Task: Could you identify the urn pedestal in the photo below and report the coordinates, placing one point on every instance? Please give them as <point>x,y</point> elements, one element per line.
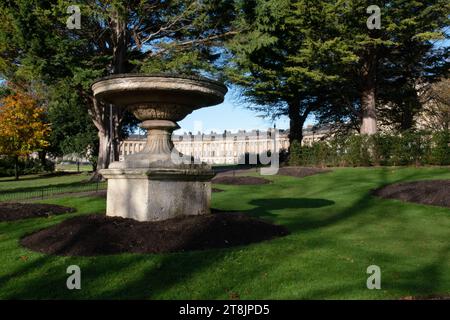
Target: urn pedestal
<point>157,194</point>
<point>158,183</point>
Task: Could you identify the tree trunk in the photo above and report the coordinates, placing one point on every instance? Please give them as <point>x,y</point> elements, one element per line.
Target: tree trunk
<point>407,120</point>
<point>108,148</point>
<point>368,95</point>
<point>104,157</point>
<point>108,123</point>
<point>119,41</point>
<point>16,167</point>
<point>42,154</point>
<point>295,123</point>
<point>410,106</point>
<point>104,150</point>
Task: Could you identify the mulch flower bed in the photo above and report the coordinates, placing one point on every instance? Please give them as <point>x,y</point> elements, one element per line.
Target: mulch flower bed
<point>300,172</point>
<point>431,192</point>
<point>99,234</point>
<point>10,211</point>
<point>240,180</point>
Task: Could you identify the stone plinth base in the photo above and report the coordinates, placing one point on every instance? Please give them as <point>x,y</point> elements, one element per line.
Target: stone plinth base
<point>155,194</point>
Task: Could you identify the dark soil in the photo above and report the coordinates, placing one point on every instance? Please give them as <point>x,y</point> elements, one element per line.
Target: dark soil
<point>240,180</point>
<point>234,171</point>
<point>98,234</point>
<point>300,172</point>
<point>431,192</point>
<point>216,190</point>
<point>10,211</point>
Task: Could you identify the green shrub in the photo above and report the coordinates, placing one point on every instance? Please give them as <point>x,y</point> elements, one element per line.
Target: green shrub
<point>381,146</point>
<point>357,151</point>
<point>381,149</point>
<point>295,154</point>
<point>26,166</point>
<point>440,148</point>
<point>410,148</point>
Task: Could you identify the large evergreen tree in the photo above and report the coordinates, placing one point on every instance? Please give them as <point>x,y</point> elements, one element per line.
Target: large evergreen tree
<point>393,61</point>
<point>296,57</point>
<point>115,37</point>
<point>280,62</point>
<point>73,131</point>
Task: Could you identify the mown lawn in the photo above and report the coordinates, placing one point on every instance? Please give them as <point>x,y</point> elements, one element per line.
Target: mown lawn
<point>338,230</point>
<point>32,186</point>
<point>73,167</point>
<point>40,180</point>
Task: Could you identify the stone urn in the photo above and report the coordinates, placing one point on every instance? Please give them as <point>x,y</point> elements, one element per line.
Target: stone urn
<point>158,183</point>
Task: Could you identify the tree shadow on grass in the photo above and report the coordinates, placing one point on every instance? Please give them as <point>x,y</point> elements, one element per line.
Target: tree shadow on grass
<point>291,203</point>
<point>422,282</point>
<point>170,269</point>
<point>170,273</point>
<point>265,207</point>
<point>160,273</point>
<point>305,220</point>
<point>426,279</point>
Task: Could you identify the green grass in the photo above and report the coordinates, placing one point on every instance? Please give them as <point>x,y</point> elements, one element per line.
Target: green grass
<point>30,186</point>
<point>73,167</point>
<point>337,230</point>
<point>35,180</point>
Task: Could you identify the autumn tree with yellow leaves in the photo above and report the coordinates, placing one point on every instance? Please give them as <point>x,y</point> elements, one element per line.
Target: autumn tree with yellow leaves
<point>22,127</point>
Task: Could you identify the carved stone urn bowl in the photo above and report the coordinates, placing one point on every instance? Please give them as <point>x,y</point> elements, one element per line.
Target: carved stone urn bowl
<point>157,183</point>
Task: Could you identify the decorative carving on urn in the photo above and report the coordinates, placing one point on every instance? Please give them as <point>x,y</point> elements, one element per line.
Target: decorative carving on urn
<point>159,101</point>
<point>160,111</point>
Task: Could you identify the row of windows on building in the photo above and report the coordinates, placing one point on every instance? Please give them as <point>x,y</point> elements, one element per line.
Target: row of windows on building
<point>211,150</point>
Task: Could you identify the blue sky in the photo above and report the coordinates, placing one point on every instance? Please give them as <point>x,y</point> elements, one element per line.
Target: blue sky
<point>231,116</point>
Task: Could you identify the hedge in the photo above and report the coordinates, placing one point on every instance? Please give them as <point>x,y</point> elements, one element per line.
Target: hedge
<point>382,149</point>
<point>26,166</point>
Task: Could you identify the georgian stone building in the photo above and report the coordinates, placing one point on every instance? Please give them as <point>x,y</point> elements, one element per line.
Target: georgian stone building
<point>226,147</point>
